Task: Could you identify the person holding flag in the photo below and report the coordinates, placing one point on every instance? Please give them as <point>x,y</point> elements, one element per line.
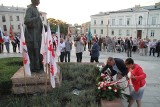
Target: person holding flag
<point>6,39</point>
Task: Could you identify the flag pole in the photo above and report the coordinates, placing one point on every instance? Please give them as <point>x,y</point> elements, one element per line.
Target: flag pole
<point>58,58</point>
<point>46,79</point>
<point>25,82</point>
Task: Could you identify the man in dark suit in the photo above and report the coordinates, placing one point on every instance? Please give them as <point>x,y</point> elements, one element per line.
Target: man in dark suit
<point>116,66</point>
<point>94,51</point>
<point>129,44</point>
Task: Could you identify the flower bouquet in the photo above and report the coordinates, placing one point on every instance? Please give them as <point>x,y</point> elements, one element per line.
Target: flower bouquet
<point>108,89</point>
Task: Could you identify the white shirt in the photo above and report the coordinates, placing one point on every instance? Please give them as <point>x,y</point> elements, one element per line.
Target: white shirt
<point>62,46</point>
<point>6,38</point>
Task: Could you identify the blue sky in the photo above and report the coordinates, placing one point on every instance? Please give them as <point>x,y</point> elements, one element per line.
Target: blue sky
<point>78,11</point>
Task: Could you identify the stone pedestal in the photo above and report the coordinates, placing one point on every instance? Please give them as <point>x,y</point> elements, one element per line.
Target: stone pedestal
<point>34,84</point>
<point>115,103</point>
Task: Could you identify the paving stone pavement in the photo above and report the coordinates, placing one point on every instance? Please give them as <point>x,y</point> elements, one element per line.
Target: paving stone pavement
<point>150,64</point>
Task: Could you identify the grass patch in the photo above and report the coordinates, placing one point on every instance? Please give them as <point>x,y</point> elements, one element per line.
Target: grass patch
<point>74,76</point>
<point>8,66</point>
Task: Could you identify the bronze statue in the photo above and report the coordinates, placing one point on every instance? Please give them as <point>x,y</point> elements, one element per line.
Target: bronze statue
<point>33,31</point>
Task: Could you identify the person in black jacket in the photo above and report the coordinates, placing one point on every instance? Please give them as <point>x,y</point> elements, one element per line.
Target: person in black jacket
<point>94,51</point>
<point>116,66</point>
<point>158,48</point>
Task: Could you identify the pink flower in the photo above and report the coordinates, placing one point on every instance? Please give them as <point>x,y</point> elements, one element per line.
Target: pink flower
<point>104,88</point>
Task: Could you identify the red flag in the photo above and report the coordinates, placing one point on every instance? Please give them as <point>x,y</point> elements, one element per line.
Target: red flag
<point>11,32</point>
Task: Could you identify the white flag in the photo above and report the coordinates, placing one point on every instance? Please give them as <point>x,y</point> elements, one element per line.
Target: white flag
<point>24,51</point>
<point>58,41</point>
<point>51,57</point>
<point>43,50</point>
<point>1,33</point>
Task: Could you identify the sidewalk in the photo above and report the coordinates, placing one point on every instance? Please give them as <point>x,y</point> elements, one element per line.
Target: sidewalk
<point>150,65</point>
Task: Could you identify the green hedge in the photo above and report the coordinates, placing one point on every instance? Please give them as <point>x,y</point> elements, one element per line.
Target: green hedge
<point>74,76</point>
<point>8,66</point>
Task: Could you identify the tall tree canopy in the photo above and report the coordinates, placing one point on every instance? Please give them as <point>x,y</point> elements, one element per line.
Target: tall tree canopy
<point>54,22</point>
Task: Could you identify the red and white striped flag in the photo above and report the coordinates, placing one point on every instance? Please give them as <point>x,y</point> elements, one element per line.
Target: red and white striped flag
<point>43,50</point>
<point>58,41</point>
<point>51,57</point>
<point>24,51</point>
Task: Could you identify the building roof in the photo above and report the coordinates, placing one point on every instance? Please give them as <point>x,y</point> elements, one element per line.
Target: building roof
<point>13,9</point>
<point>143,8</point>
<point>136,8</point>
<point>101,14</point>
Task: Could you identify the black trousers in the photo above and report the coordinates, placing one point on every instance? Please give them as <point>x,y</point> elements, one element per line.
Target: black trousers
<point>152,50</point>
<point>14,47</point>
<point>94,59</point>
<point>1,48</point>
<point>79,57</point>
<point>67,55</point>
<point>129,52</point>
<point>62,56</point>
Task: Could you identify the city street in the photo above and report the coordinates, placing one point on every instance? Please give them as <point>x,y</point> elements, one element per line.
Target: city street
<point>150,64</point>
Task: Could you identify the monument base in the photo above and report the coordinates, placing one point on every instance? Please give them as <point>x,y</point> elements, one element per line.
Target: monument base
<point>33,84</point>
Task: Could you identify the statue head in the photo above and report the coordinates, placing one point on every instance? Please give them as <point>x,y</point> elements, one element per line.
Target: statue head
<point>35,2</point>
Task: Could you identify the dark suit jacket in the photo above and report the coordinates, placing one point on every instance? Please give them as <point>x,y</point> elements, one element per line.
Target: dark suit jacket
<point>95,50</point>
<point>120,65</point>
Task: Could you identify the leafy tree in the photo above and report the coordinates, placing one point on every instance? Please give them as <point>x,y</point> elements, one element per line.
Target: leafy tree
<point>54,22</point>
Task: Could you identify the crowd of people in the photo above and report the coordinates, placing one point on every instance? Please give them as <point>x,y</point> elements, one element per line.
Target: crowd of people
<point>108,44</point>
<point>7,40</point>
<point>129,45</point>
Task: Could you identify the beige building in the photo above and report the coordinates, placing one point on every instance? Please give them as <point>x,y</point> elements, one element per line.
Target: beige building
<point>138,21</point>
<point>10,15</point>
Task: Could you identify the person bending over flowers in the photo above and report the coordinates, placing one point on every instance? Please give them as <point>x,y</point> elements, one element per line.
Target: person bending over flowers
<point>137,81</point>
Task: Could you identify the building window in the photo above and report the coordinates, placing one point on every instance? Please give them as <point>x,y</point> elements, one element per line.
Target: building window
<point>113,22</point>
<point>128,21</point>
<point>101,31</point>
<point>120,22</point>
<point>42,18</point>
<point>140,20</point>
<point>4,27</point>
<point>152,33</point>
<point>153,20</point>
<point>18,26</point>
<point>94,31</point>
<point>3,19</point>
<point>101,22</point>
<point>12,27</point>
<point>128,32</point>
<point>17,18</point>
<point>11,18</point>
<point>120,32</point>
<point>95,22</point>
<point>112,32</point>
